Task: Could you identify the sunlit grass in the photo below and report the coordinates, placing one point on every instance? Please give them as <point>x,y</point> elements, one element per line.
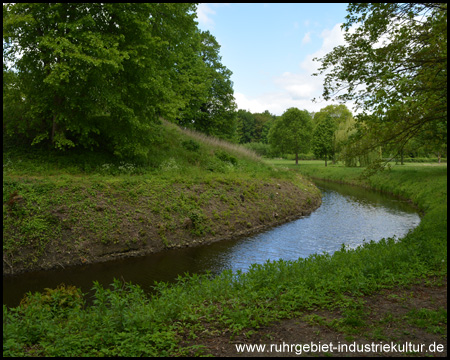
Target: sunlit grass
<point>216,142</point>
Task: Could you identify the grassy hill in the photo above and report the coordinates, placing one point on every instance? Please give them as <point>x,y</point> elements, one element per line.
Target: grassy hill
<point>80,207</point>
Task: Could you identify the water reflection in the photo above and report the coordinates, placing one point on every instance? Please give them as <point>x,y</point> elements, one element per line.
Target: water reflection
<point>348,215</point>
<point>344,218</point>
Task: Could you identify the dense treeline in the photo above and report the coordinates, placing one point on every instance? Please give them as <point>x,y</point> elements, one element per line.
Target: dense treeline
<point>101,75</point>
<point>331,134</point>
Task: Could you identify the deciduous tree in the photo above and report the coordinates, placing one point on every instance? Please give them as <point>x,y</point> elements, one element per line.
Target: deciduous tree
<point>212,110</point>
<point>292,132</point>
<point>102,74</point>
<point>245,126</point>
<point>323,142</point>
<point>394,67</point>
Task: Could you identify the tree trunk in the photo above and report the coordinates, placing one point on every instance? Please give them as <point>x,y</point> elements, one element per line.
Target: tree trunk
<point>296,158</point>
<point>57,100</point>
<point>53,128</point>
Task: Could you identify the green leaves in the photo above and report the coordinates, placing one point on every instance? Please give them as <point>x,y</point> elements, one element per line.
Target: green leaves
<point>292,132</point>
<point>101,75</point>
<point>323,144</point>
<point>209,104</point>
<point>393,67</point>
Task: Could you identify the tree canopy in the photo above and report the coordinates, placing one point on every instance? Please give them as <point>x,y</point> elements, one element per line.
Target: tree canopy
<point>292,132</point>
<point>323,142</point>
<point>394,67</point>
<point>340,113</point>
<point>332,124</point>
<point>102,74</point>
<point>211,108</point>
<point>253,127</point>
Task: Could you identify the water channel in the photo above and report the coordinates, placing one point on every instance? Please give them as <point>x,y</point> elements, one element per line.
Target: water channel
<point>348,215</point>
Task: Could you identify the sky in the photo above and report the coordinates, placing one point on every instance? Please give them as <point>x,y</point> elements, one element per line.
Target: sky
<point>270,47</point>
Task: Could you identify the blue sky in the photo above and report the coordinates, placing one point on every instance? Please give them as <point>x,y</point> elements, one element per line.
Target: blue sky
<point>270,47</point>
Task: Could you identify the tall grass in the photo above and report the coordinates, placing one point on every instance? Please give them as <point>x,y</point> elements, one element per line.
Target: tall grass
<point>216,142</point>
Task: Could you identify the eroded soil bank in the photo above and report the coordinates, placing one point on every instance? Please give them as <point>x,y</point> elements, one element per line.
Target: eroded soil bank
<point>53,224</point>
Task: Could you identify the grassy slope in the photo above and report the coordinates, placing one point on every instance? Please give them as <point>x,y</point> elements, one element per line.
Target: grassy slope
<point>66,210</point>
<point>125,322</point>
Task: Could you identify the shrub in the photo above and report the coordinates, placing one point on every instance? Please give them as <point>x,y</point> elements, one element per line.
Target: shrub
<point>191,145</point>
<point>225,157</point>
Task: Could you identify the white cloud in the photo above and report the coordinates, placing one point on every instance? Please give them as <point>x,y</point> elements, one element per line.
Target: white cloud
<point>203,15</point>
<point>297,89</point>
<point>275,103</point>
<point>331,38</point>
<point>307,38</point>
<point>297,86</point>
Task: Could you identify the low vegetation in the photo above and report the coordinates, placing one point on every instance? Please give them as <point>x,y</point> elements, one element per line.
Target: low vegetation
<point>81,208</point>
<point>173,321</point>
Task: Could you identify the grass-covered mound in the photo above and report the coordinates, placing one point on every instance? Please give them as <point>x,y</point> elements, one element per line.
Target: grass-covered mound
<point>81,207</point>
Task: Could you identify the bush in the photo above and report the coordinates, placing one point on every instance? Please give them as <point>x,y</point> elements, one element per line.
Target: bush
<point>262,149</point>
<point>421,160</point>
<point>191,145</point>
<point>225,157</point>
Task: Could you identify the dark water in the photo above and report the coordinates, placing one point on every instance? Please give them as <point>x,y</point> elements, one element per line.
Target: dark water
<point>348,215</point>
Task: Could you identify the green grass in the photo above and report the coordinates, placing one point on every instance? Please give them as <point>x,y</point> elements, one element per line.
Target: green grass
<point>123,321</point>
<point>78,201</point>
<point>176,151</point>
<point>424,184</point>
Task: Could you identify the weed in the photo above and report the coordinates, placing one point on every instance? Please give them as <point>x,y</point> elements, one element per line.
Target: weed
<point>432,320</point>
<point>225,157</point>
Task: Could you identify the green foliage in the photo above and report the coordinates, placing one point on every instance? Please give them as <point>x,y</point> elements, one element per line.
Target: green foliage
<point>332,134</point>
<point>292,132</point>
<point>58,301</point>
<point>191,145</point>
<point>253,127</point>
<point>394,67</point>
<point>101,75</point>
<point>210,106</point>
<point>261,149</point>
<point>339,113</point>
<point>245,126</point>
<point>432,321</point>
<point>323,142</point>
<point>222,155</point>
<point>424,160</point>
